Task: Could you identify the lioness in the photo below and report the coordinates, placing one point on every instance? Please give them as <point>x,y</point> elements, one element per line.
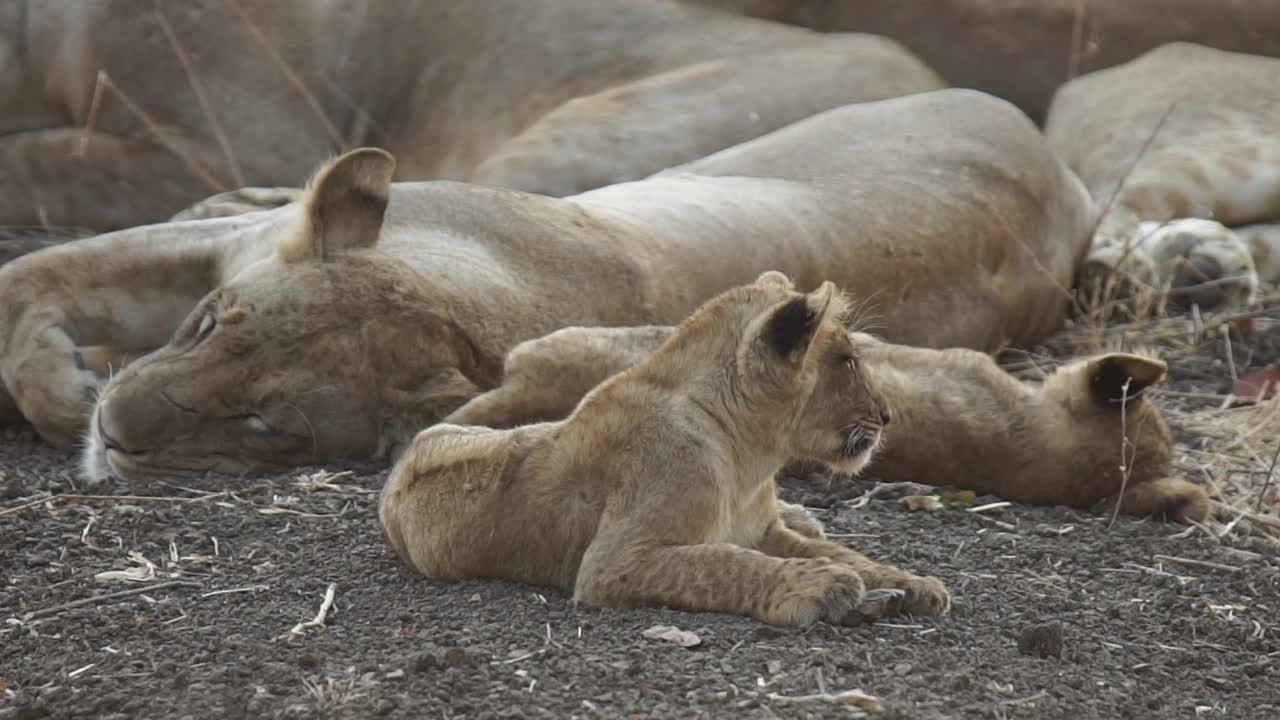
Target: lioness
<point>1022,51</point>
<point>326,330</point>
<point>1085,436</point>
<point>658,489</point>
<point>121,113</point>
<point>1180,147</point>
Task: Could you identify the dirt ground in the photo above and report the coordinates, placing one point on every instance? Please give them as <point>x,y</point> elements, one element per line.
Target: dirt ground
<point>1156,620</point>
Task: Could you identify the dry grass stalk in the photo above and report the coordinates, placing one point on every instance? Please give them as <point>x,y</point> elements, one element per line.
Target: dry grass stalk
<point>184,58</point>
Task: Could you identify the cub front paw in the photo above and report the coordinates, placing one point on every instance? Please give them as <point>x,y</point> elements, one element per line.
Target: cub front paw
<point>924,596</point>
<point>819,590</point>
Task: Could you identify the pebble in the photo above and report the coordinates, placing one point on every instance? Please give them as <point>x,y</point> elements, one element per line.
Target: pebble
<point>1043,640</point>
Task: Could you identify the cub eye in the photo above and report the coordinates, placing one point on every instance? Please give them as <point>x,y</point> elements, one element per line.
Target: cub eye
<point>849,361</point>
<point>207,323</point>
<point>256,424</point>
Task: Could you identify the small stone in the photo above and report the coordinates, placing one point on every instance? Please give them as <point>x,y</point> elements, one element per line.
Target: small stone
<point>1218,683</point>
<point>425,662</point>
<point>455,657</point>
<point>395,674</point>
<point>902,669</point>
<point>39,559</point>
<point>767,632</point>
<point>1043,640</point>
<point>773,666</point>
<point>308,662</point>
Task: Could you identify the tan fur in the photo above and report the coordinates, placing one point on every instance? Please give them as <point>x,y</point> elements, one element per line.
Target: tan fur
<point>551,96</point>
<point>1183,138</point>
<point>344,344</point>
<point>658,489</point>
<point>1024,50</point>
<point>958,419</point>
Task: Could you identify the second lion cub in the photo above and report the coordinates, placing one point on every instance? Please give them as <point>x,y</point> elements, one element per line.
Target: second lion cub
<point>658,489</point>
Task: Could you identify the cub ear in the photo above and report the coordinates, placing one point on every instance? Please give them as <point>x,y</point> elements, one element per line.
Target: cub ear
<point>344,206</point>
<point>773,278</point>
<point>1108,374</point>
<point>792,325</point>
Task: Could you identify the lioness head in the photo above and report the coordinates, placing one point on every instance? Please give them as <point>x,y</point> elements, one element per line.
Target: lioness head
<point>800,364</point>
<point>326,349</point>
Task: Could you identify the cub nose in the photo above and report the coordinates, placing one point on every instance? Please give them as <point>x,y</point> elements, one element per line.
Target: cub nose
<point>885,415</point>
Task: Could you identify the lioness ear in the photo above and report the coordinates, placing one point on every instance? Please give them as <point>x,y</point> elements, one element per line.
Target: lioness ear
<point>792,326</point>
<point>343,209</point>
<point>1108,374</point>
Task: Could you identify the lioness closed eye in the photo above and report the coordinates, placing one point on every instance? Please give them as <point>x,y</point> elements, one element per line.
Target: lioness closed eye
<point>658,489</point>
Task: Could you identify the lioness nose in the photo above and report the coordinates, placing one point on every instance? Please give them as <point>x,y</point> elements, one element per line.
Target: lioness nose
<point>885,415</point>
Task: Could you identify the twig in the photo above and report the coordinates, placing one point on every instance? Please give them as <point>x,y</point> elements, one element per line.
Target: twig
<point>293,77</point>
<point>1124,446</point>
<point>123,498</point>
<point>195,166</point>
<point>194,81</point>
<point>1077,40</point>
<point>45,612</point>
<point>856,698</point>
<point>998,523</point>
<point>1271,471</point>
<point>321,616</point>
<point>1200,563</point>
<point>229,591</point>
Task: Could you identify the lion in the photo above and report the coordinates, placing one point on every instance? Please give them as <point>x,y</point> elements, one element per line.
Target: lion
<point>1086,437</point>
<point>1023,51</point>
<point>658,489</point>
<point>334,329</point>
<point>122,113</point>
<point>1179,147</point>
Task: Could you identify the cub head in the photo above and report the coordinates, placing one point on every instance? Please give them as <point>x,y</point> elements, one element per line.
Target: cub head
<point>326,349</point>
<point>800,367</point>
<point>1107,409</point>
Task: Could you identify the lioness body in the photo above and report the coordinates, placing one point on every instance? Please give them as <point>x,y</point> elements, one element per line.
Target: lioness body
<point>1023,51</point>
<point>659,488</point>
<point>1179,145</point>
<point>103,99</point>
<point>352,352</point>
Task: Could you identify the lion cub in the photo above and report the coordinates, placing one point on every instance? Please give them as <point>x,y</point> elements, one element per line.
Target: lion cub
<point>658,489</point>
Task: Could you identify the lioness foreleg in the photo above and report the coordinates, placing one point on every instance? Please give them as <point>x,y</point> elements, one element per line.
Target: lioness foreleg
<point>720,577</point>
<point>924,595</point>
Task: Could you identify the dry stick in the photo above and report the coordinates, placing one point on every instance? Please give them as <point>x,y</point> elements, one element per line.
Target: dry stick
<point>293,77</point>
<point>104,598</point>
<point>1115,193</point>
<point>1199,563</point>
<point>1077,41</point>
<point>194,81</point>
<point>1271,471</point>
<point>318,620</point>
<point>126,498</point>
<point>1124,443</point>
<point>196,168</point>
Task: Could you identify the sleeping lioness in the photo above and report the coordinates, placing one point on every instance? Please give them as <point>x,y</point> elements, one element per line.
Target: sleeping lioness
<point>336,328</point>
<point>658,489</point>
<point>121,113</point>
